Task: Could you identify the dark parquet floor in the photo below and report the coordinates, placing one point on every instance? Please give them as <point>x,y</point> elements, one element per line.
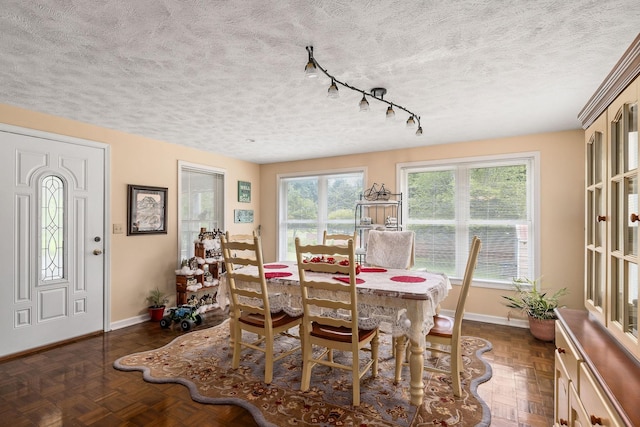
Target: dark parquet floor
<point>76,384</point>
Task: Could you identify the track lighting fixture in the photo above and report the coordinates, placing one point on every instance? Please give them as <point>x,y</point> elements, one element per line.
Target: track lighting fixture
<point>377,93</point>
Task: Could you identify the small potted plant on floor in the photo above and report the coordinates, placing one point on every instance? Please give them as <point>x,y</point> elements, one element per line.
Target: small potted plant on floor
<point>537,305</point>
<point>157,300</point>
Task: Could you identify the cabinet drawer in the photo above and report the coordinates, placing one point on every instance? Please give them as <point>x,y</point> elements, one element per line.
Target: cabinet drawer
<point>568,355</point>
<point>596,404</point>
<point>579,416</point>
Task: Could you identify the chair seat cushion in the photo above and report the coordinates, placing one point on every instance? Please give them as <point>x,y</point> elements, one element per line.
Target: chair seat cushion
<point>277,319</point>
<point>442,327</point>
<point>339,333</point>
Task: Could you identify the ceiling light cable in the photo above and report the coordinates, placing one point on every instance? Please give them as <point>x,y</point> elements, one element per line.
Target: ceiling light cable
<point>311,71</point>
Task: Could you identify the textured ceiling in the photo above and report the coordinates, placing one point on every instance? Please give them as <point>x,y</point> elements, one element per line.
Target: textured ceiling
<point>227,76</point>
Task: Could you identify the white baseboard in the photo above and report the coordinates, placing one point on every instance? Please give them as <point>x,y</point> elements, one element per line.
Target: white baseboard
<point>130,321</point>
<point>495,320</point>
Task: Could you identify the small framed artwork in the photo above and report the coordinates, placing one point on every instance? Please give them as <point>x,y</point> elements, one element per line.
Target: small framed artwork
<point>244,191</point>
<point>147,210</point>
<point>242,215</point>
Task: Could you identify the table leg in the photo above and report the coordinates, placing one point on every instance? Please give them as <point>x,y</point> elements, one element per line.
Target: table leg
<point>400,355</point>
<point>416,367</point>
<point>416,315</point>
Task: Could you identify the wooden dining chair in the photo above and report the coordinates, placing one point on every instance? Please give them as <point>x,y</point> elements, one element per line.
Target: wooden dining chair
<point>390,249</point>
<point>335,239</point>
<point>250,309</point>
<point>331,314</point>
<point>445,335</point>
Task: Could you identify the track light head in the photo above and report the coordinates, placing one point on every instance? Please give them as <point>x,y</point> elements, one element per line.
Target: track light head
<point>332,92</point>
<point>310,70</point>
<point>390,113</point>
<point>411,122</point>
<point>419,131</point>
<point>364,104</point>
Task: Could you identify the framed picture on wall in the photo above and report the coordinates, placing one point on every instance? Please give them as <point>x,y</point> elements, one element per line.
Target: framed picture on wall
<point>242,215</point>
<point>244,191</point>
<point>147,210</point>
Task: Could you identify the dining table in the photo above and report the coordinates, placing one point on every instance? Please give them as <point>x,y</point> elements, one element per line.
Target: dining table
<point>406,300</point>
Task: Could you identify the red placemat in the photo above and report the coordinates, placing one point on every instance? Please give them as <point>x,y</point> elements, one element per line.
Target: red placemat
<point>273,274</point>
<point>275,266</point>
<point>372,269</point>
<point>346,279</point>
<point>408,279</point>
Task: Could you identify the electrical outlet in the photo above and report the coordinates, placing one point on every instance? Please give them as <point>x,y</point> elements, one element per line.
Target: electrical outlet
<point>118,229</point>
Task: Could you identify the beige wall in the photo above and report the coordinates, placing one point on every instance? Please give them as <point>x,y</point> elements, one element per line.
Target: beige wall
<point>561,203</point>
<point>140,263</point>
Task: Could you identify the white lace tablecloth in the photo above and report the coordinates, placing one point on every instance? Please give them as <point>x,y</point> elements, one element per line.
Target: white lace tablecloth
<point>396,296</point>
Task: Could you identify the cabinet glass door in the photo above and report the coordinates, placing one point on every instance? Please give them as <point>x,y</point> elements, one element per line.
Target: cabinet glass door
<point>624,220</point>
<point>596,223</point>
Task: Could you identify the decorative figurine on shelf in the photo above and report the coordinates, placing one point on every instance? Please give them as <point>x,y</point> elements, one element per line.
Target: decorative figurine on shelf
<point>193,301</point>
<point>210,241</point>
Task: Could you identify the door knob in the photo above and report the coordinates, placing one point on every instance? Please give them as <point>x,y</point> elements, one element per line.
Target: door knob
<point>97,252</point>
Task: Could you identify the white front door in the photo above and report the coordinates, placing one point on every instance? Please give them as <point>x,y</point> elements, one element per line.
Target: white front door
<point>52,192</point>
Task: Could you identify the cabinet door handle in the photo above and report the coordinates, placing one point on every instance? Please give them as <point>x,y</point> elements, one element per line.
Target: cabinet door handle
<point>561,350</point>
<point>596,421</point>
<point>602,218</point>
<point>634,217</point>
<point>563,422</point>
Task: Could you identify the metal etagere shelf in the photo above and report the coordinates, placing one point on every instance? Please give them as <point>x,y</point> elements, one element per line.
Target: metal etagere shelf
<point>376,215</point>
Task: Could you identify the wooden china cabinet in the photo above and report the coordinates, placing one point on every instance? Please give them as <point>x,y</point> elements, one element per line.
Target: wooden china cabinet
<point>597,369</point>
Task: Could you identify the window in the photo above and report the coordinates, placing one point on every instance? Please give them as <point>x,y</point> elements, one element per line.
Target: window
<point>311,204</point>
<point>492,198</point>
<point>52,228</point>
<point>201,201</point>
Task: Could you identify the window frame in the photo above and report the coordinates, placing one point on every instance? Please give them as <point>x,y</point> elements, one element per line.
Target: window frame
<point>282,199</point>
<point>184,166</point>
<point>532,159</point>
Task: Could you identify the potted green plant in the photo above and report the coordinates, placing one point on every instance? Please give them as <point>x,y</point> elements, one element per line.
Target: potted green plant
<point>157,300</point>
<point>537,305</point>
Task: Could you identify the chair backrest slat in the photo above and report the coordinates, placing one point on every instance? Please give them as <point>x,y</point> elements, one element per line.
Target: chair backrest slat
<point>324,294</point>
<point>338,239</point>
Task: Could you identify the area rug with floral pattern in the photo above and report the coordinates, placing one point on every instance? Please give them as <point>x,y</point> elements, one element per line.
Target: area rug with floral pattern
<point>201,361</point>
